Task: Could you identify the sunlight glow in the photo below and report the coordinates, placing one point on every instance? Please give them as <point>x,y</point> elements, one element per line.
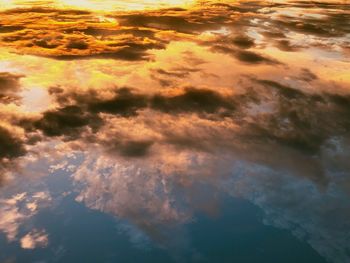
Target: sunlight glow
<point>108,5</point>
<point>99,5</point>
<point>35,100</point>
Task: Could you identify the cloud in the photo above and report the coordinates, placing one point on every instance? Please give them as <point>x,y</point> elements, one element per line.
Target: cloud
<point>243,42</point>
<point>171,182</point>
<point>296,205</point>
<point>8,29</point>
<point>302,121</point>
<point>130,122</point>
<point>134,148</point>
<point>244,56</point>
<point>285,45</point>
<point>297,124</point>
<point>72,40</point>
<point>35,239</point>
<point>18,209</point>
<point>68,121</point>
<point>11,146</point>
<point>308,75</point>
<point>132,36</point>
<point>9,87</point>
<point>124,103</point>
<point>330,26</point>
<point>193,100</point>
<point>156,124</point>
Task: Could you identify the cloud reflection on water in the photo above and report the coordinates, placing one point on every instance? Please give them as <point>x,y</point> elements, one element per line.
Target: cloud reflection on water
<point>249,99</point>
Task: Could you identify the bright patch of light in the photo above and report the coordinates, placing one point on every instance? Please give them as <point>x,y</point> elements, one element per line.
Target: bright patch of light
<point>98,5</point>
<point>35,99</point>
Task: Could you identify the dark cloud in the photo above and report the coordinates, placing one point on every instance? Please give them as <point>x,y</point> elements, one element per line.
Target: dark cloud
<point>125,103</point>
<point>130,51</point>
<point>307,75</point>
<point>8,29</point>
<point>243,42</point>
<point>299,120</point>
<point>10,146</point>
<point>193,100</point>
<point>9,82</point>
<point>81,113</point>
<point>274,33</point>
<point>9,87</point>
<point>44,44</point>
<point>180,21</point>
<point>296,129</point>
<point>244,56</point>
<point>68,121</point>
<point>77,44</point>
<point>285,45</point>
<point>293,132</point>
<point>177,72</point>
<point>283,90</point>
<point>303,121</point>
<point>133,51</point>
<point>253,58</point>
<point>106,32</point>
<point>132,148</point>
<point>171,76</point>
<point>45,10</point>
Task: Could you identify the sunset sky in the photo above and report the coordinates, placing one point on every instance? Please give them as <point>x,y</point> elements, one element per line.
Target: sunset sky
<point>174,131</point>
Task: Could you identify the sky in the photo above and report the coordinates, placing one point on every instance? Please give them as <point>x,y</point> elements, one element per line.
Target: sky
<point>154,115</point>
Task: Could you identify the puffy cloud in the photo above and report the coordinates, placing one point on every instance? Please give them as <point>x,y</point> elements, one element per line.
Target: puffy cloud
<point>9,87</point>
<point>68,41</point>
<point>34,239</point>
<point>18,209</point>
<point>296,125</point>
<point>67,121</point>
<point>74,34</point>
<point>172,186</point>
<point>10,145</point>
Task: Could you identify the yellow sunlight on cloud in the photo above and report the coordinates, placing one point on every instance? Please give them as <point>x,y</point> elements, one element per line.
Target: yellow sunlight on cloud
<point>35,99</point>
<point>108,5</point>
<point>99,5</point>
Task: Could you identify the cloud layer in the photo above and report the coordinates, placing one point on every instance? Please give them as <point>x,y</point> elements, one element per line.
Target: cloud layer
<point>247,98</point>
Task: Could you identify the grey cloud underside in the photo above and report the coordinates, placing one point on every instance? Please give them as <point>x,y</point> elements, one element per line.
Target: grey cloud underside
<point>299,110</point>
<point>297,128</point>
<point>9,87</point>
<point>300,122</point>
<point>11,147</point>
<point>70,119</point>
